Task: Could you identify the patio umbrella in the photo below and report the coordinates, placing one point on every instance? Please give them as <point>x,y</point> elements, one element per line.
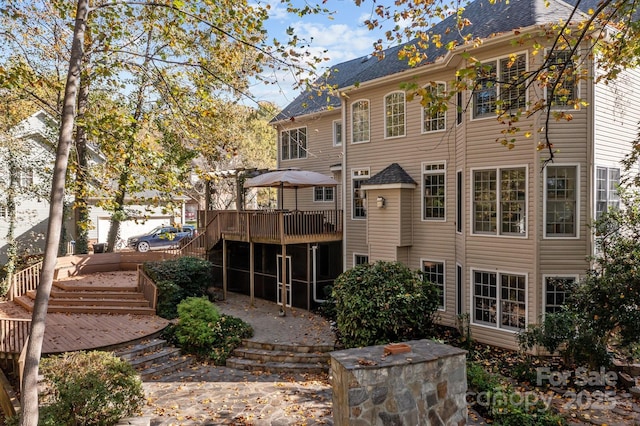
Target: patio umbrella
<point>290,179</point>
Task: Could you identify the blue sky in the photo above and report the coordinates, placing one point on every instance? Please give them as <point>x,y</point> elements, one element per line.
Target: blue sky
<point>344,36</point>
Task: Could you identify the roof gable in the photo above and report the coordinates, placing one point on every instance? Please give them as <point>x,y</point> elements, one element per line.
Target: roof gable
<point>390,175</point>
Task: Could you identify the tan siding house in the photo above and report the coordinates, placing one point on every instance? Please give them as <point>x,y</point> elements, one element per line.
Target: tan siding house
<point>497,229</point>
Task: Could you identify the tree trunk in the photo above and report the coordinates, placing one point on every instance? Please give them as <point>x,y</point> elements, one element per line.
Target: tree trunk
<point>29,412</point>
<point>81,208</point>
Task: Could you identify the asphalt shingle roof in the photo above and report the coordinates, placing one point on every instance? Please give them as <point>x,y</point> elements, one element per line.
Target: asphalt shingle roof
<point>486,20</point>
<point>392,174</point>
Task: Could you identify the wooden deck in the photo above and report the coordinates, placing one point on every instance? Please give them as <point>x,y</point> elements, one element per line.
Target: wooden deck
<point>72,332</point>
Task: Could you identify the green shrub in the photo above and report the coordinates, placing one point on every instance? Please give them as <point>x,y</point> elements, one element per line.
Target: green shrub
<point>89,388</point>
<point>383,302</point>
<point>178,279</point>
<point>202,331</point>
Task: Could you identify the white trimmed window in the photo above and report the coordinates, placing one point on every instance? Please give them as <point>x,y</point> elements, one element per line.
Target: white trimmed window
<point>561,201</point>
<point>607,196</point>
<point>323,193</point>
<point>360,121</point>
<point>394,116</point>
<point>337,133</point>
<point>433,191</point>
<point>499,300</point>
<point>359,207</point>
<point>360,259</point>
<point>499,201</point>
<point>26,178</point>
<point>433,119</point>
<point>293,143</point>
<point>556,290</point>
<point>4,211</point>
<point>500,86</point>
<point>434,273</point>
<point>561,66</point>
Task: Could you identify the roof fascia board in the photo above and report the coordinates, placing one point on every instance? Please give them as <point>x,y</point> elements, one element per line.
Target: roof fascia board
<point>389,186</point>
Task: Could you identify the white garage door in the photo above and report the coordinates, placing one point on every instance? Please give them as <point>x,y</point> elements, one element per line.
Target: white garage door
<point>130,228</point>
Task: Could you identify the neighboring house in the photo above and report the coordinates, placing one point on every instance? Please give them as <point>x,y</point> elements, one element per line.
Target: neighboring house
<point>39,134</point>
<point>496,231</point>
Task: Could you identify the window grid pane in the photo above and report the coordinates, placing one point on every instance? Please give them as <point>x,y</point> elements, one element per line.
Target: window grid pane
<point>512,89</point>
<point>513,302</point>
<point>293,144</point>
<point>434,192</point>
<point>484,201</point>
<point>565,92</point>
<point>485,297</point>
<point>434,273</point>
<point>358,176</point>
<point>513,201</point>
<point>485,92</point>
<point>556,291</point>
<point>561,201</point>
<point>394,114</point>
<point>360,121</point>
<point>360,259</point>
<point>433,120</point>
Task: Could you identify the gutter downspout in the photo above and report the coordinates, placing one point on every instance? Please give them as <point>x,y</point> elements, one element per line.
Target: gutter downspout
<point>343,103</point>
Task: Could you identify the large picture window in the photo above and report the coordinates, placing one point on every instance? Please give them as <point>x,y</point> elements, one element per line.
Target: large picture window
<point>433,119</point>
<point>499,300</point>
<point>394,116</point>
<point>499,201</point>
<point>561,201</point>
<point>500,80</point>
<point>607,182</point>
<point>434,273</point>
<point>293,143</point>
<point>360,121</point>
<point>359,208</point>
<point>433,190</point>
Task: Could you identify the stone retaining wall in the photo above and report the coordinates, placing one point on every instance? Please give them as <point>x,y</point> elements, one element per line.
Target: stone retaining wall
<point>425,386</point>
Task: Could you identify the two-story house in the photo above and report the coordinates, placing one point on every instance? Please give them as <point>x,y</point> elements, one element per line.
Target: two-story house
<point>498,230</point>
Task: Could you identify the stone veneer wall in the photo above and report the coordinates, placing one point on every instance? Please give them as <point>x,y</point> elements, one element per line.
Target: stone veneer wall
<point>426,386</point>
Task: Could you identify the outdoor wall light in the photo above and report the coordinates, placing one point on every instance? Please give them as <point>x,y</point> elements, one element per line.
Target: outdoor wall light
<point>380,202</point>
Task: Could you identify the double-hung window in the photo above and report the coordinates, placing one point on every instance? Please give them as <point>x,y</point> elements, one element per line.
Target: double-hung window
<point>499,201</point>
<point>357,177</point>
<point>433,117</point>
<point>499,300</point>
<point>323,193</point>
<point>556,291</point>
<point>433,191</point>
<point>607,182</point>
<point>561,69</point>
<point>394,115</point>
<point>433,272</point>
<point>293,143</point>
<point>360,121</point>
<point>561,201</point>
<point>500,86</point>
<point>26,178</point>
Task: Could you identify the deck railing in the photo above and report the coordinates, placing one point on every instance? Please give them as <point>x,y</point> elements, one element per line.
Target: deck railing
<point>148,288</point>
<point>208,235</point>
<point>24,281</point>
<point>13,335</point>
<point>280,226</point>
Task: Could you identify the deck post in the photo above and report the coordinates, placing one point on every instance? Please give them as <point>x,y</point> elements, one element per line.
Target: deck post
<point>252,280</point>
<point>224,269</point>
<point>284,280</point>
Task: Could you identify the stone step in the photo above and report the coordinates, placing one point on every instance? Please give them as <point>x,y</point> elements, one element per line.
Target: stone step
<point>141,348</point>
<point>147,360</point>
<point>167,366</point>
<point>264,355</point>
<point>276,367</point>
<point>290,347</point>
<point>27,303</point>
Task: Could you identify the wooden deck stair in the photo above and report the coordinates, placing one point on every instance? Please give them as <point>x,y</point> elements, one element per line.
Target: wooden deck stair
<point>91,299</point>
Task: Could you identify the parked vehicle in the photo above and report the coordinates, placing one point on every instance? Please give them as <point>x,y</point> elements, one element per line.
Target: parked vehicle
<point>161,237</point>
